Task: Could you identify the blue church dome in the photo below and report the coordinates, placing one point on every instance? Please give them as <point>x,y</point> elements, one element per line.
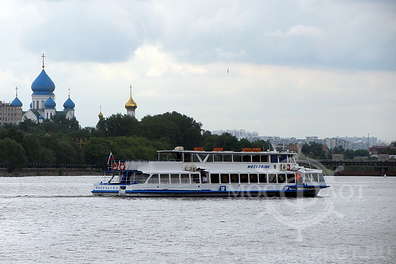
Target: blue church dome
<point>69,104</point>
<point>50,103</point>
<point>16,102</point>
<point>43,84</point>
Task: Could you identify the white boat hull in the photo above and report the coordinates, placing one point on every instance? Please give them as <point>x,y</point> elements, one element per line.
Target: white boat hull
<point>143,190</point>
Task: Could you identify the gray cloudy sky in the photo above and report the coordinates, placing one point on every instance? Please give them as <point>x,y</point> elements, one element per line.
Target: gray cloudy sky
<point>297,67</point>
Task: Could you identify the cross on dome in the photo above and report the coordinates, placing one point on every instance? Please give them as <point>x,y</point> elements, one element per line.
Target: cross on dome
<point>43,57</point>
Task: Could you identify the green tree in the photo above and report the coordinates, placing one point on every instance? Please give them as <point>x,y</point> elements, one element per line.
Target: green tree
<point>12,154</point>
<point>96,151</point>
<point>33,149</point>
<point>118,125</point>
<point>314,150</point>
<point>177,129</point>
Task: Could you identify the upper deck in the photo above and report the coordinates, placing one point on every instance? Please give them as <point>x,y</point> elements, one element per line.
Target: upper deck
<point>226,156</point>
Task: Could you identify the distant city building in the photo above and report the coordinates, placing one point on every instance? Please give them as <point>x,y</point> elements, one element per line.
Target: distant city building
<point>11,113</point>
<point>294,147</point>
<point>314,139</point>
<point>337,157</point>
<point>238,133</point>
<point>295,144</point>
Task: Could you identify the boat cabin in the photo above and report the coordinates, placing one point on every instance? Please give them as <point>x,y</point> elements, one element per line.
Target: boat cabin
<point>225,156</point>
<point>137,177</point>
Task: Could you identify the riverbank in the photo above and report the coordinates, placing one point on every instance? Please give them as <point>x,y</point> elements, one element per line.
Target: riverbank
<point>50,172</point>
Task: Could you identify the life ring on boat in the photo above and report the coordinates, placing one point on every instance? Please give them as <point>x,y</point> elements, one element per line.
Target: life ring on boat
<point>114,166</point>
<point>288,167</point>
<point>122,166</point>
<point>284,167</point>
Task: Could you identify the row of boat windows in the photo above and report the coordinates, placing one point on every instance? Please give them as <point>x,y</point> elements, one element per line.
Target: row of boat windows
<point>196,157</point>
<point>196,178</point>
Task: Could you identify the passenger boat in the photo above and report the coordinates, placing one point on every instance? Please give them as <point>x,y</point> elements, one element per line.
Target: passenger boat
<point>216,173</point>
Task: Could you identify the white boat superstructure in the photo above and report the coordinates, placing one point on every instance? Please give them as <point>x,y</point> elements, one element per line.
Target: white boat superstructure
<point>181,172</point>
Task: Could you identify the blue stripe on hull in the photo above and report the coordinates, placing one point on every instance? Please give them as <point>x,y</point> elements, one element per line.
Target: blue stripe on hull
<point>104,191</point>
<point>208,193</point>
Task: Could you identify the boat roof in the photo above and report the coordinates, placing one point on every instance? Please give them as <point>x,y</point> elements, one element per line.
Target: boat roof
<point>226,152</point>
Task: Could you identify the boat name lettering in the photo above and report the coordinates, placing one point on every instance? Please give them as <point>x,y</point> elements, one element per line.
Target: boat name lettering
<point>258,166</point>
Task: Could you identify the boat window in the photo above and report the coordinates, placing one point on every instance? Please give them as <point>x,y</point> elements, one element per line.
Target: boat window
<point>227,158</point>
<point>179,156</point>
<point>244,178</point>
<point>225,178</point>
<point>264,158</point>
<point>263,178</point>
<point>321,178</point>
<point>140,178</point>
<point>281,178</point>
<point>307,178</point>
<point>247,158</point>
<point>153,179</point>
<point>291,178</point>
<point>210,158</point>
<point>202,156</point>
<point>214,178</point>
<point>256,158</point>
<point>237,158</point>
<point>195,178</point>
<point>234,178</point>
<point>315,177</point>
<point>218,158</point>
<point>195,158</point>
<point>204,177</point>
<point>310,177</point>
<point>274,158</point>
<point>187,157</point>
<point>176,156</point>
<point>164,178</point>
<point>185,178</point>
<point>283,158</point>
<point>175,179</point>
<point>115,179</point>
<point>272,178</point>
<point>253,178</point>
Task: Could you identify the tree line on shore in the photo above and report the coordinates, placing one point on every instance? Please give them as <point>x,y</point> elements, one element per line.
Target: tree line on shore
<point>320,151</point>
<point>64,143</point>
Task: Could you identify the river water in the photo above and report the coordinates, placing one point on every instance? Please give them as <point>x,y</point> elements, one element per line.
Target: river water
<point>56,220</point>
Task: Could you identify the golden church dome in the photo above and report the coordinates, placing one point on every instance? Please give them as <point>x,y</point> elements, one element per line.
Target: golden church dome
<point>131,103</point>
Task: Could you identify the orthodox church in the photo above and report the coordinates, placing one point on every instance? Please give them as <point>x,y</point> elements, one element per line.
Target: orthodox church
<point>130,106</point>
<point>43,106</point>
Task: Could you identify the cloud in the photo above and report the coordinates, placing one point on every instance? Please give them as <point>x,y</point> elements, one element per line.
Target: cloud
<point>309,33</point>
<point>296,67</point>
<point>301,30</point>
<point>336,34</point>
<point>272,100</point>
<point>85,31</point>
